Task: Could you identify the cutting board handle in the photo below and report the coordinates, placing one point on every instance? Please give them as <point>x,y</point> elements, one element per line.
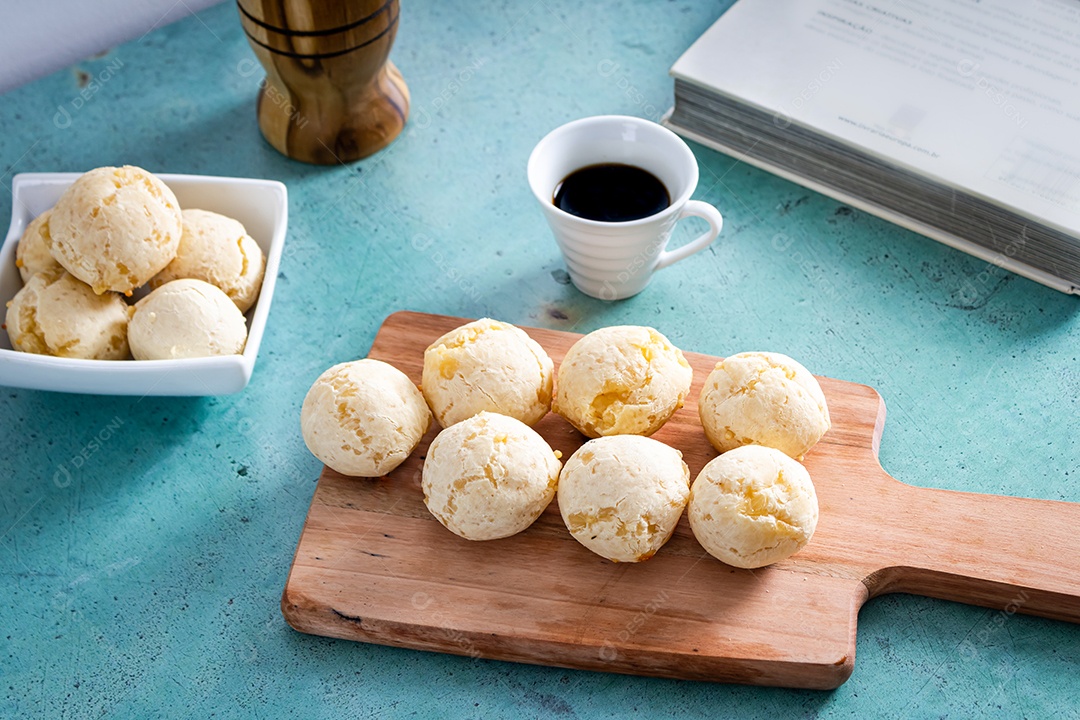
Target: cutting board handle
<point>1013,554</point>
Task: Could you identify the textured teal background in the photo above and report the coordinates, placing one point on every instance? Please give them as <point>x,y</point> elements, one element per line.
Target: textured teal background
<point>147,584</point>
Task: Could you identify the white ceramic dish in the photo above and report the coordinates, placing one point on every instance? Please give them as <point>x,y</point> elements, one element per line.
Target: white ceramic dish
<point>261,205</point>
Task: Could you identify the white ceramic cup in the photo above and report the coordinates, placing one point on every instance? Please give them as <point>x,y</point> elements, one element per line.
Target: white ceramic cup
<point>615,260</point>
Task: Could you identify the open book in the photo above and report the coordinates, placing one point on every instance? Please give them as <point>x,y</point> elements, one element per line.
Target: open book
<point>958,119</point>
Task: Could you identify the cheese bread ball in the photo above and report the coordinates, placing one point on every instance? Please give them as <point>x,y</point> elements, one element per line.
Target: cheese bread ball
<point>621,380</point>
<point>753,506</point>
<point>32,253</point>
<point>363,418</point>
<point>55,314</point>
<point>489,476</point>
<point>487,365</point>
<point>622,496</point>
<point>760,398</point>
<point>115,228</point>
<point>217,249</point>
<point>186,319</point>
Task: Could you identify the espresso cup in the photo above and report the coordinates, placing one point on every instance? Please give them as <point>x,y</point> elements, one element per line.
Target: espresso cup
<point>616,260</point>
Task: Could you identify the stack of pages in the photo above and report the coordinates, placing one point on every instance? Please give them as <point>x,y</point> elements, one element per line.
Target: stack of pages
<point>958,119</point>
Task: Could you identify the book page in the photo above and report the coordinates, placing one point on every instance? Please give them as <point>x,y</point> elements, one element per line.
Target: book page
<point>977,94</point>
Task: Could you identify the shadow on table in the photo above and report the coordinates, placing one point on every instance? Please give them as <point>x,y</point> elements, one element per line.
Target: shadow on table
<point>553,301</point>
<point>106,441</point>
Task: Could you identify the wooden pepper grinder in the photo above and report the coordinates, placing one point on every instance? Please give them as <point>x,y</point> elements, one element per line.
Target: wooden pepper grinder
<point>330,95</point>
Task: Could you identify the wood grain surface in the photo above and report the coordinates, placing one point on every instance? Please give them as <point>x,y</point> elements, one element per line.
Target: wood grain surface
<point>331,95</point>
<point>373,565</point>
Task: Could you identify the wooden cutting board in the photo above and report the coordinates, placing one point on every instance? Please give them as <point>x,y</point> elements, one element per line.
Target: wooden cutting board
<point>373,565</point>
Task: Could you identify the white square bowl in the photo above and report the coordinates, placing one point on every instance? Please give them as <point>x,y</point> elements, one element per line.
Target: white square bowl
<point>261,205</point>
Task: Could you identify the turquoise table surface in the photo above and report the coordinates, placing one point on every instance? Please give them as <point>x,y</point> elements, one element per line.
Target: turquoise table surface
<point>144,543</point>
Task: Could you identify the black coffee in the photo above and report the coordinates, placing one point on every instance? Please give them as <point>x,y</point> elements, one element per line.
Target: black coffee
<point>611,192</point>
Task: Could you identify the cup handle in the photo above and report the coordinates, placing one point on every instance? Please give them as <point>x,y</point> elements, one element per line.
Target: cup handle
<point>693,208</point>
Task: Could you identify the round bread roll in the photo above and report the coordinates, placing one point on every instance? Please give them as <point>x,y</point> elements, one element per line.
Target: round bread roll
<point>487,365</point>
<point>32,253</point>
<point>55,314</point>
<point>623,380</point>
<point>622,496</point>
<point>760,398</point>
<point>115,228</point>
<point>363,418</point>
<point>753,506</point>
<point>186,319</point>
<point>489,476</point>
<point>217,249</point>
